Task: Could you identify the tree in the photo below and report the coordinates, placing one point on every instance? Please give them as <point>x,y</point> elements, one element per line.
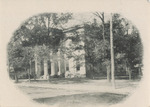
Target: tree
<point>106,61</point>
<point>14,56</point>
<point>101,16</point>
<point>38,36</point>
<point>126,43</point>
<point>28,54</point>
<point>46,29</point>
<point>19,57</point>
<point>95,47</point>
<point>44,34</point>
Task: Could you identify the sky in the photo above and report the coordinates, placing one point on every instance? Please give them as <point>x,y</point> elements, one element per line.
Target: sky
<point>81,18</point>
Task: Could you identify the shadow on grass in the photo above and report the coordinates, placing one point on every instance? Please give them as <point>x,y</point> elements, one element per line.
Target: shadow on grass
<point>62,80</point>
<point>86,98</point>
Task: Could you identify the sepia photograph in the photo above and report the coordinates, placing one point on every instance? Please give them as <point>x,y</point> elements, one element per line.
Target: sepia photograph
<point>73,58</point>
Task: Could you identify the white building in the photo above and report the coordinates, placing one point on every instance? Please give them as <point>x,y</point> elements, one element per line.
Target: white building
<point>60,65</point>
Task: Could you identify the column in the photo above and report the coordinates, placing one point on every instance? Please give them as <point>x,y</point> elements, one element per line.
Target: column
<point>38,69</point>
<point>56,68</point>
<point>59,67</point>
<point>82,67</point>
<point>72,67</point>
<point>63,66</point>
<point>45,69</point>
<point>36,64</point>
<point>52,68</point>
<point>58,64</point>
<point>82,61</point>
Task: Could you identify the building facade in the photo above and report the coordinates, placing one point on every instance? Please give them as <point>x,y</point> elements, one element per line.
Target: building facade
<point>60,64</point>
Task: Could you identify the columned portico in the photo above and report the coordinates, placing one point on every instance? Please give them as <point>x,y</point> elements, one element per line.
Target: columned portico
<point>58,64</point>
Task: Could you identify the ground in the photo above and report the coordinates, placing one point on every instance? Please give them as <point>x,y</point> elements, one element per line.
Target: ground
<point>77,92</point>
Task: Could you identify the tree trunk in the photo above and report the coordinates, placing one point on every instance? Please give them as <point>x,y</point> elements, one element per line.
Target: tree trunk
<point>140,72</point>
<point>129,72</point>
<point>34,76</point>
<point>93,71</point>
<point>16,77</point>
<point>90,71</point>
<point>112,53</point>
<point>101,16</point>
<point>8,68</point>
<point>104,32</point>
<point>36,66</point>
<point>29,72</point>
<point>29,75</point>
<point>108,73</point>
<point>130,76</point>
<point>48,19</point>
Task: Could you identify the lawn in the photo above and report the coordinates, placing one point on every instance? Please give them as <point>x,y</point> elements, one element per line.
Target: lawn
<point>77,92</point>
<point>83,99</point>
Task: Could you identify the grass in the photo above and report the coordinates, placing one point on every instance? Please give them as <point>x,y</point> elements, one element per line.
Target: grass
<point>72,92</point>
<point>83,99</point>
<point>61,80</point>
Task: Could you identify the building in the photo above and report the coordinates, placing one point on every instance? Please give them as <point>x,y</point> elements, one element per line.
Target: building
<point>60,64</point>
